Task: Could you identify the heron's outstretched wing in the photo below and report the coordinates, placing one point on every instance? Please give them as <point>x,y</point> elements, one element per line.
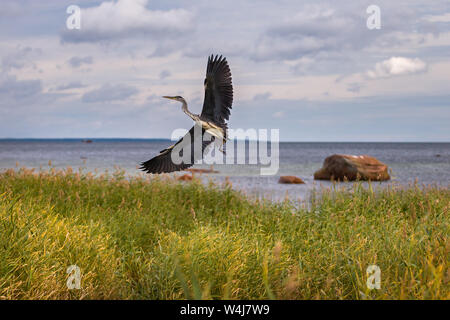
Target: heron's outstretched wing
<point>164,162</point>
<point>218,90</point>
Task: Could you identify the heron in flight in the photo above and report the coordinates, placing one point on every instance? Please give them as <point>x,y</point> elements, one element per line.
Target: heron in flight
<point>211,122</point>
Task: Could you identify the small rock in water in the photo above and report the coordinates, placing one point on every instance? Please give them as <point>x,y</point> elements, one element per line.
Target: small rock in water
<point>195,170</point>
<point>185,177</point>
<point>290,180</point>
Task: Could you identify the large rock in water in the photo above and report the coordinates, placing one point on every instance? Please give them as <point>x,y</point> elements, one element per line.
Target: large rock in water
<point>342,166</point>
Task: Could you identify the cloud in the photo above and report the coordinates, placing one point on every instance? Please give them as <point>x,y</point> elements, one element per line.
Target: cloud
<point>354,87</point>
<point>12,89</point>
<point>262,96</point>
<point>71,85</point>
<point>76,62</point>
<point>438,18</point>
<point>164,74</point>
<point>325,31</point>
<point>397,66</point>
<point>127,18</point>
<point>23,97</point>
<point>313,30</point>
<point>18,58</point>
<point>109,93</point>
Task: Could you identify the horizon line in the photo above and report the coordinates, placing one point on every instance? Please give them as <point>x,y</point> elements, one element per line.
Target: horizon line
<point>281,141</point>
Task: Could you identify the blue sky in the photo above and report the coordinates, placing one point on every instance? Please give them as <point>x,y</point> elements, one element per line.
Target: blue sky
<point>309,68</point>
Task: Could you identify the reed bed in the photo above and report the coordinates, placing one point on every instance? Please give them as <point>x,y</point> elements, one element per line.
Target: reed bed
<point>158,238</point>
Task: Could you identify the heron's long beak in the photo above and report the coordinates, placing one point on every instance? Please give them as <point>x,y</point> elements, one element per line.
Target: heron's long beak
<point>168,97</point>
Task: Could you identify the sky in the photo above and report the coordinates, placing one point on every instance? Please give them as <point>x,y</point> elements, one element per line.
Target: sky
<point>312,69</point>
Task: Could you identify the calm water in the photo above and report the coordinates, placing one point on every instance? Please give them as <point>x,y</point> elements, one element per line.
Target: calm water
<point>428,162</point>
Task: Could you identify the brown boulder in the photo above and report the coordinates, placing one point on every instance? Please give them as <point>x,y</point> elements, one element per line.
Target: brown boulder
<point>349,167</point>
<point>291,180</point>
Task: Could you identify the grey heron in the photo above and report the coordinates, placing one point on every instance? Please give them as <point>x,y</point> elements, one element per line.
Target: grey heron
<point>212,120</point>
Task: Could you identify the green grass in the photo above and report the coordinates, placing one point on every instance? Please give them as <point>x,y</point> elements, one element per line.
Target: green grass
<point>143,238</point>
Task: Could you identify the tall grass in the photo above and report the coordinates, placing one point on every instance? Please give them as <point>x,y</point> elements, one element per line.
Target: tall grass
<point>156,238</point>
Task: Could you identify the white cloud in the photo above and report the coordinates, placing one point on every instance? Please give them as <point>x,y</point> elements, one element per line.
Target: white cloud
<point>127,18</point>
<point>109,93</point>
<point>438,18</point>
<point>397,66</point>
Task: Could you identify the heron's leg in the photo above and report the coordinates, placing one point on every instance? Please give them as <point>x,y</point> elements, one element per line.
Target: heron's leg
<point>222,147</point>
<point>220,143</point>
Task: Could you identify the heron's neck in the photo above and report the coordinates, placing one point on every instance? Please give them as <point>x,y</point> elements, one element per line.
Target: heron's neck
<point>185,109</point>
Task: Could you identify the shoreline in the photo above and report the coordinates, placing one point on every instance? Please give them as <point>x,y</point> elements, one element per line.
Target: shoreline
<point>295,193</point>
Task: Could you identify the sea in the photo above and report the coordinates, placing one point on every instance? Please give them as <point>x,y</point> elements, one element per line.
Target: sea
<point>409,163</point>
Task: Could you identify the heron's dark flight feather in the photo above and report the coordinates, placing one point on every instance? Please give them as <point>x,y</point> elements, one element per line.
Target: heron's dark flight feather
<point>218,91</point>
<point>163,162</point>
